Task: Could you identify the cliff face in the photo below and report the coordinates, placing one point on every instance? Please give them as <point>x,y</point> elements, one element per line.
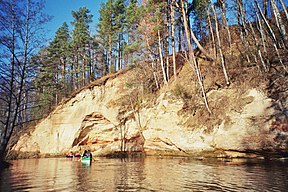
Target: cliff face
<point>93,119</point>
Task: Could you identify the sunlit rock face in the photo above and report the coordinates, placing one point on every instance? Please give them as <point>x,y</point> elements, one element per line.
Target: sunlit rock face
<point>69,122</point>
<point>245,126</point>
<point>93,119</point>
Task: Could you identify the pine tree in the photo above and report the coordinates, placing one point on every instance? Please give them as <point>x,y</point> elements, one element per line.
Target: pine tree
<point>81,40</point>
<point>153,33</point>
<point>106,33</point>
<point>46,82</point>
<point>133,17</point>
<point>120,23</point>
<point>52,64</point>
<point>60,53</point>
<point>199,11</point>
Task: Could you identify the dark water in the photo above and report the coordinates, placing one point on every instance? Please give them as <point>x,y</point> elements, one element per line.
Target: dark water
<point>144,174</point>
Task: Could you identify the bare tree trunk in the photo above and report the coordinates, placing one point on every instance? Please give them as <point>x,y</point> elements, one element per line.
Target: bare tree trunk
<point>119,52</point>
<point>263,39</point>
<point>161,58</point>
<point>24,66</point>
<point>63,70</point>
<point>153,67</point>
<point>225,22</point>
<point>77,67</point>
<point>266,23</point>
<point>212,34</point>
<point>136,115</point>
<point>90,61</point>
<point>167,68</point>
<point>168,23</point>
<point>241,18</point>
<point>73,79</point>
<point>284,9</point>
<point>265,6</point>
<point>7,128</point>
<point>191,34</point>
<point>275,42</point>
<point>181,46</point>
<point>192,59</point>
<point>110,55</point>
<point>220,48</point>
<point>173,40</point>
<point>209,57</point>
<point>242,24</point>
<point>24,107</point>
<point>13,111</point>
<point>223,8</point>
<point>155,75</point>
<point>123,132</point>
<point>279,22</point>
<point>258,47</point>
<point>83,68</point>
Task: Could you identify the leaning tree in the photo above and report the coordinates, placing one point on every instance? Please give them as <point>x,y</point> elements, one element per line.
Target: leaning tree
<point>20,37</point>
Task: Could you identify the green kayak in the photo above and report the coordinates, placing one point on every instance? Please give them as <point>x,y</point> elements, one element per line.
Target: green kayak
<point>85,159</point>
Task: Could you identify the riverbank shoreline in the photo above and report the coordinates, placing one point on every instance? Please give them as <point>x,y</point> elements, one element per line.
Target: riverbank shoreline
<point>226,155</point>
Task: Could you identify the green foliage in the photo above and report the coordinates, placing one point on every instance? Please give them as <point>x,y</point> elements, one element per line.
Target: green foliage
<point>52,76</point>
<point>61,43</point>
<point>46,81</point>
<point>132,14</point>
<point>198,8</point>
<point>105,31</point>
<point>81,36</point>
<point>126,33</point>
<point>60,52</point>
<point>81,41</point>
<point>117,32</point>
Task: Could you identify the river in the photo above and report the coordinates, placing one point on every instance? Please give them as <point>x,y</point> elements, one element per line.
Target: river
<point>144,174</point>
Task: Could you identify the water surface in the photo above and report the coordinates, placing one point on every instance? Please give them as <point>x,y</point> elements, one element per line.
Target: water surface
<point>144,174</point>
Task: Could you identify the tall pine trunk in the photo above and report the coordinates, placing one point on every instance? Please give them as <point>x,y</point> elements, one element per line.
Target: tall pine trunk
<point>220,48</point>
<point>173,40</point>
<point>161,58</point>
<point>192,60</point>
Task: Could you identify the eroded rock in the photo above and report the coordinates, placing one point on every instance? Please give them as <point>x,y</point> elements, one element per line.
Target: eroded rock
<point>242,125</point>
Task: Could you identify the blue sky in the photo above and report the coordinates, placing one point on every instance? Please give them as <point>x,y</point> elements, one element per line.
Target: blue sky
<point>61,12</point>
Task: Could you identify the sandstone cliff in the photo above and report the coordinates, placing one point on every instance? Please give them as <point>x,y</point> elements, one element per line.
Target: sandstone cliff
<point>243,124</point>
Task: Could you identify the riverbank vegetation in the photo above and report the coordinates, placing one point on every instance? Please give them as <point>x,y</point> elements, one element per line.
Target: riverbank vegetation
<point>224,43</point>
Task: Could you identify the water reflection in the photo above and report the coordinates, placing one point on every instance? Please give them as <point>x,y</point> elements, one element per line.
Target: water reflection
<point>144,174</point>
